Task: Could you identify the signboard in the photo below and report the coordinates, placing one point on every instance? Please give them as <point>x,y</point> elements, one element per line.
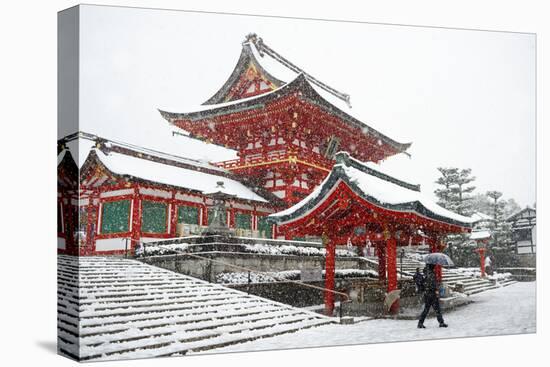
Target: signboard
<point>311,275</point>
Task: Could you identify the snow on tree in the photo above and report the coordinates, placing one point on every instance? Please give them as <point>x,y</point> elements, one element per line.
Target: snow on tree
<point>455,195</point>
<point>500,245</point>
<point>463,191</point>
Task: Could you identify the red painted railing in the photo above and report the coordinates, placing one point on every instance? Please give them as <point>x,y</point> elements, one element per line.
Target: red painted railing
<point>272,157</point>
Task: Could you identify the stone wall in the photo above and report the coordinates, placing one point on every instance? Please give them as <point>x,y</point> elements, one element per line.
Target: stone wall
<point>205,269</point>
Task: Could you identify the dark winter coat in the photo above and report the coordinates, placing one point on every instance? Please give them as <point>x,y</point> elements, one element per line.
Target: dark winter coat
<point>431,286</point>
<point>418,278</point>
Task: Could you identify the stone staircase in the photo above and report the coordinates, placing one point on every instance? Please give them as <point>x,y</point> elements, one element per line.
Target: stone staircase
<point>451,277</point>
<point>115,308</point>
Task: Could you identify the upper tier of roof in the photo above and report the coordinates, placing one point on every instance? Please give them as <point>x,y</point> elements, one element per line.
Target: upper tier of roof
<point>280,81</point>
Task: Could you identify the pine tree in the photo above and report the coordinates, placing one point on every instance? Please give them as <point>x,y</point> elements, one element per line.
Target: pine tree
<point>463,191</point>
<point>500,245</point>
<point>455,195</point>
<point>447,195</point>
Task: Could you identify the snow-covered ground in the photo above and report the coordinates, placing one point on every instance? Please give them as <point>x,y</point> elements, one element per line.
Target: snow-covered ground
<point>509,310</point>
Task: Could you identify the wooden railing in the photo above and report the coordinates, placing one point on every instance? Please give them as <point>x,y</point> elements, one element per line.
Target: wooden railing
<point>274,157</point>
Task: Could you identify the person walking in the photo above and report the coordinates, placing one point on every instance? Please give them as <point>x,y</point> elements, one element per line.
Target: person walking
<point>431,298</point>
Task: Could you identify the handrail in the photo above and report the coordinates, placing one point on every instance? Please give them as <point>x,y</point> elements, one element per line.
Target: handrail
<point>341,294</point>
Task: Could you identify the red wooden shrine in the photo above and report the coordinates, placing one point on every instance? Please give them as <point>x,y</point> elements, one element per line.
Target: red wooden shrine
<point>351,206</point>
<point>286,133</point>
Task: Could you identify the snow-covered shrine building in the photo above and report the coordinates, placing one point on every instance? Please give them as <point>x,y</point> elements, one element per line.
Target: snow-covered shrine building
<point>119,194</point>
<point>286,127</point>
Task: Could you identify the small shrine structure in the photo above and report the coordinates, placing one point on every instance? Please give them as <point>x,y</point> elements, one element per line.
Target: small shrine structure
<point>357,203</point>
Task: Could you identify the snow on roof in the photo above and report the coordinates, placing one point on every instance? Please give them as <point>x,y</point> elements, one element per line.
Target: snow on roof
<point>480,235</point>
<point>180,148</point>
<point>479,216</point>
<point>286,75</point>
<point>375,186</point>
<point>390,193</point>
<point>272,66</point>
<point>171,175</point>
<point>208,107</point>
<point>79,148</point>
<point>517,214</point>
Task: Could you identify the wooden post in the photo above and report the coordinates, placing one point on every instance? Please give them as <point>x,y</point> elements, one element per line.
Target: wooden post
<point>481,252</point>
<point>330,262</point>
<point>391,263</point>
<point>381,251</point>
<point>173,217</point>
<point>91,225</point>
<point>136,219</point>
<point>391,268</point>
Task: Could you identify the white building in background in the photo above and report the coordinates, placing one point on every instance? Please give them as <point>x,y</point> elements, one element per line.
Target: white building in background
<point>524,231</point>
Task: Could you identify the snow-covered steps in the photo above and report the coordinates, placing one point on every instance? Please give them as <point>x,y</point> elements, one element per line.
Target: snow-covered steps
<point>115,308</point>
<point>471,284</point>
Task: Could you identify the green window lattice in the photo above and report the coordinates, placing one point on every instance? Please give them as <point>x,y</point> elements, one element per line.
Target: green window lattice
<point>243,221</point>
<point>188,214</point>
<point>153,217</point>
<point>264,227</point>
<point>115,216</point>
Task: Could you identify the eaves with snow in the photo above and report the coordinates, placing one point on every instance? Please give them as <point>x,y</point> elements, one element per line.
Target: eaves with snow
<point>129,161</point>
<point>375,187</point>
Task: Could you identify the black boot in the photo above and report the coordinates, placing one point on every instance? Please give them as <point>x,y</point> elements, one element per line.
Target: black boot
<point>443,324</point>
<point>421,326</point>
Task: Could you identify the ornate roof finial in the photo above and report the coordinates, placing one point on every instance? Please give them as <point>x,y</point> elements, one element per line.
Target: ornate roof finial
<point>251,37</point>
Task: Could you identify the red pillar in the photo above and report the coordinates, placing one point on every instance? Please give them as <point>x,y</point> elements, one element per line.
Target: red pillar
<point>329,275</point>
<point>381,250</point>
<point>91,226</point>
<point>136,219</point>
<point>173,218</point>
<point>391,261</point>
<point>481,252</point>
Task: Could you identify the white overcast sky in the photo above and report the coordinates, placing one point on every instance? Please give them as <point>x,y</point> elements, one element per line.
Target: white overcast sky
<point>463,98</point>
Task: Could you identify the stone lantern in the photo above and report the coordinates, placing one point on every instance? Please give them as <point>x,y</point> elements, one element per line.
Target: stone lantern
<point>218,224</point>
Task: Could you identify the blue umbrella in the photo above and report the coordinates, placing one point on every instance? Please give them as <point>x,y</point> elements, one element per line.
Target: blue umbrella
<point>437,258</point>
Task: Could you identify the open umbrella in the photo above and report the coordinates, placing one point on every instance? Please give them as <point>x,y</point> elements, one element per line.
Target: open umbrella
<point>437,258</point>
